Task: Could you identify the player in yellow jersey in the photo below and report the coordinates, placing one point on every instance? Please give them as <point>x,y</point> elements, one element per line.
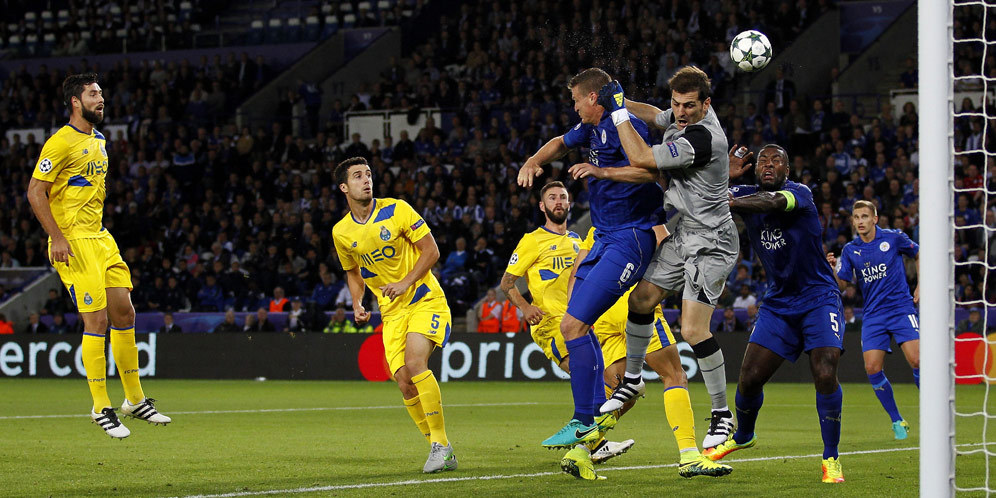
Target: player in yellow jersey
<point>66,193</point>
<point>385,245</point>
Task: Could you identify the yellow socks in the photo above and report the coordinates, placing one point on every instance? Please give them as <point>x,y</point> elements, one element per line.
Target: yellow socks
<point>415,412</point>
<point>680,417</point>
<point>126,358</point>
<point>432,406</point>
<point>95,365</point>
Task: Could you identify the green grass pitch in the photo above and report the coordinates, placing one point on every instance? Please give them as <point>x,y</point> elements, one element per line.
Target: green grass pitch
<point>303,438</point>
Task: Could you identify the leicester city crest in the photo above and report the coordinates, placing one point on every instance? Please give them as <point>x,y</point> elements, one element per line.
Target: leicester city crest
<point>385,234</point>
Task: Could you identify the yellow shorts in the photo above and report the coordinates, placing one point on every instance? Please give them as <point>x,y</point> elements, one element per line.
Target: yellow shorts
<point>95,266</point>
<point>611,334</point>
<point>546,334</point>
<point>430,317</point>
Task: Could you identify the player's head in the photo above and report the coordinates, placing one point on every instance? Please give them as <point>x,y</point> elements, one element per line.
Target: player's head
<point>864,216</point>
<point>83,96</point>
<point>690,100</point>
<point>555,202</point>
<point>584,88</point>
<point>772,167</point>
<point>355,179</point>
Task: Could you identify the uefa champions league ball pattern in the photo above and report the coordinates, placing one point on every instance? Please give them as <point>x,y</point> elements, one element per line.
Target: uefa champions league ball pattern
<point>750,51</point>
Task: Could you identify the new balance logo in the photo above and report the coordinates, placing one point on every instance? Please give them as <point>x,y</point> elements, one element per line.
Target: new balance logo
<point>674,429</point>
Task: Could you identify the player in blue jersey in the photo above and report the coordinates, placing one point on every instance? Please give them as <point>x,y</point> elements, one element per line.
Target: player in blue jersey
<point>801,310</point>
<point>875,259</point>
<point>625,214</point>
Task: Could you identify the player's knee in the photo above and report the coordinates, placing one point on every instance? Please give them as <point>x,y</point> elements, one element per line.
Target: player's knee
<point>825,378</point>
<point>96,322</point>
<point>914,360</point>
<point>641,300</point>
<point>124,317</point>
<point>572,328</point>
<point>872,367</point>
<point>750,383</point>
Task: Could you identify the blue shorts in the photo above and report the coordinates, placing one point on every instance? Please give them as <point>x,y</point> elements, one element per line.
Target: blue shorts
<point>878,329</point>
<point>789,332</point>
<point>615,263</point>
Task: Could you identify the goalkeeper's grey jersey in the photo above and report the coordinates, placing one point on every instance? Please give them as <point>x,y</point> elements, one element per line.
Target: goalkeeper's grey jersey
<point>697,160</point>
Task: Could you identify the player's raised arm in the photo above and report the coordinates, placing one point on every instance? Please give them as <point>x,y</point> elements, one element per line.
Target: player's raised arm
<point>763,202</point>
<point>833,266</point>
<point>612,98</point>
<point>533,167</point>
<point>624,174</point>
<point>644,112</point>
<point>38,191</point>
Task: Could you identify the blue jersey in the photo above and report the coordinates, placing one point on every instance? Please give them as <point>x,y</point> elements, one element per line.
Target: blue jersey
<point>790,247</point>
<point>616,205</point>
<point>879,269</point>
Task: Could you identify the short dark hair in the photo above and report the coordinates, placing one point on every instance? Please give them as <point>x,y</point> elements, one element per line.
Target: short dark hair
<point>781,150</point>
<point>73,85</point>
<point>691,79</point>
<point>550,185</point>
<point>342,170</point>
<point>590,80</point>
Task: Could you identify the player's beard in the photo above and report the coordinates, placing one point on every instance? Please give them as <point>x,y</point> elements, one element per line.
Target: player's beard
<point>555,218</point>
<point>91,116</point>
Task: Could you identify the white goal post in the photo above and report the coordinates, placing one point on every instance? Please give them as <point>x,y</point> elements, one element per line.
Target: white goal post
<point>934,25</point>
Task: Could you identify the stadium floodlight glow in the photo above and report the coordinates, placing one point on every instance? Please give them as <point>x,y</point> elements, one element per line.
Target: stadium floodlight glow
<point>936,249</point>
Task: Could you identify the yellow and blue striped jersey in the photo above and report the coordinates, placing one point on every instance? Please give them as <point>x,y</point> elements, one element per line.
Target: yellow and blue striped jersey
<point>384,249</point>
<point>547,258</point>
<point>76,165</point>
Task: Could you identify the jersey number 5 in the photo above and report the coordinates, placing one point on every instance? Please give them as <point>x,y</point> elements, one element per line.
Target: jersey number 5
<point>833,322</point>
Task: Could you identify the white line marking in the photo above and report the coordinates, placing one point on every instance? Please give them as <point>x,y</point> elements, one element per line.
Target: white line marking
<point>338,487</point>
<point>280,410</point>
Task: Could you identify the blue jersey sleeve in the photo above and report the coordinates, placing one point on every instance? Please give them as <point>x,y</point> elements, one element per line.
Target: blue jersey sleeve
<point>575,137</point>
<point>905,245</point>
<point>743,190</point>
<point>845,269</point>
<point>800,198</point>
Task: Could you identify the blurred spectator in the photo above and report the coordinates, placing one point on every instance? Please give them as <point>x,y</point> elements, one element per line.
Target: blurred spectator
<point>35,326</point>
<point>259,322</point>
<point>456,261</point>
<point>744,298</point>
<point>228,325</point>
<point>511,318</point>
<point>295,323</point>
<point>751,318</point>
<point>59,325</point>
<point>169,326</point>
<point>730,322</point>
<point>55,303</point>
<point>852,324</point>
<point>971,324</point>
<point>324,293</point>
<point>489,315</point>
<point>279,301</point>
<point>210,296</point>
<point>339,324</point>
<point>5,326</point>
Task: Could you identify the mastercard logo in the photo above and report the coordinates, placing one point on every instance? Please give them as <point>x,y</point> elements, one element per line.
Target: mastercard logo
<point>974,358</point>
<point>372,361</point>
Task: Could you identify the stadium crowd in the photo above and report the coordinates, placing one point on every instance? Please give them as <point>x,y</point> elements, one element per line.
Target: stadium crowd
<point>211,217</point>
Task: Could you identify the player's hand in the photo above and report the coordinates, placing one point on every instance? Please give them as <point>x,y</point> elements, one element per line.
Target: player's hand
<point>740,161</point>
<point>360,315</point>
<point>60,251</point>
<point>532,315</point>
<point>529,170</point>
<point>584,170</point>
<point>832,260</point>
<point>611,96</point>
<point>394,290</point>
<point>916,294</point>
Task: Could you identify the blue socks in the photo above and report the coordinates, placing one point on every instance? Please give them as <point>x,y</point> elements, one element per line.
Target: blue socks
<point>828,406</point>
<point>584,364</point>
<point>883,389</point>
<point>747,410</point>
<point>599,394</point>
<point>916,377</point>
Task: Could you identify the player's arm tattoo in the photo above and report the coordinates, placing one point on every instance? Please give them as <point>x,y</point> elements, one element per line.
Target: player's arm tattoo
<point>507,286</point>
<point>761,202</point>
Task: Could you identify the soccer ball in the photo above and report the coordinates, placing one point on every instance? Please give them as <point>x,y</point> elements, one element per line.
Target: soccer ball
<point>750,51</point>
